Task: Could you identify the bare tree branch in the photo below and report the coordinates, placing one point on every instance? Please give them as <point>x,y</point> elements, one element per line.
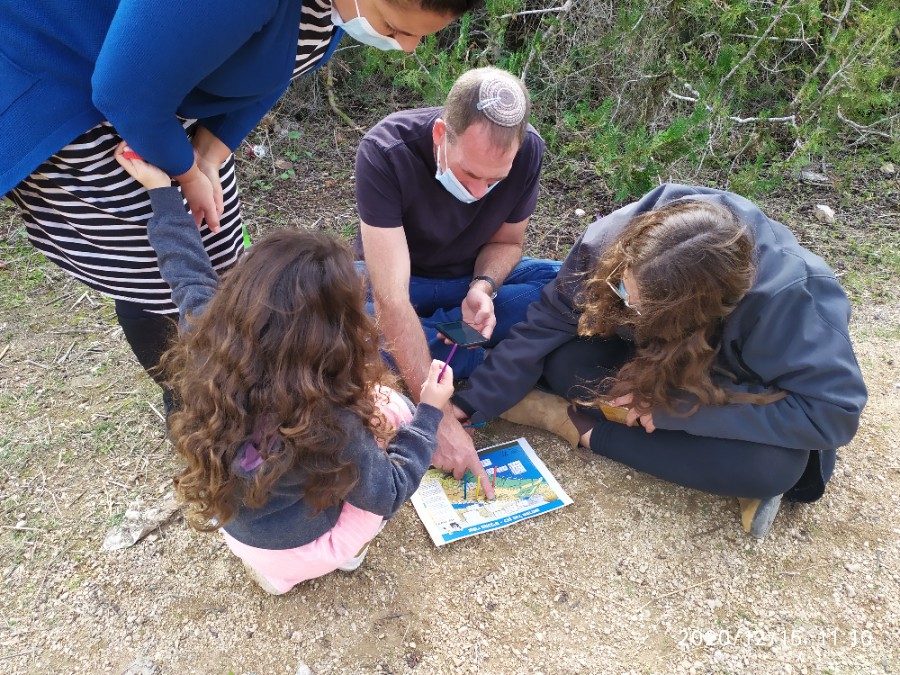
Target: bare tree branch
<point>866,130</point>
<point>737,120</point>
<point>332,101</point>
<point>839,22</point>
<point>752,50</point>
<point>564,8</point>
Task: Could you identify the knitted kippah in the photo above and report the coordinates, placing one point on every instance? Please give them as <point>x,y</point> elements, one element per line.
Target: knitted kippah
<point>501,100</point>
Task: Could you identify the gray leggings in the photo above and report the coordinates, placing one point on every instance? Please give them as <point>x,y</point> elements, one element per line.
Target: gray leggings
<point>717,465</point>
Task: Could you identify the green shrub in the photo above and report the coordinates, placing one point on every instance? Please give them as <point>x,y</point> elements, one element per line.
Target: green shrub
<point>638,89</point>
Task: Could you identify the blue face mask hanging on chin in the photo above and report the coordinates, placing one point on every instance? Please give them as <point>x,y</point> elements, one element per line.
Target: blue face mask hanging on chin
<point>361,30</point>
<point>451,182</point>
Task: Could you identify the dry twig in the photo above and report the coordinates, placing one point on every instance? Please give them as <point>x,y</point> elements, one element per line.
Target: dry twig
<point>565,7</point>
<point>815,71</point>
<point>675,592</point>
<point>332,101</point>
<point>752,50</point>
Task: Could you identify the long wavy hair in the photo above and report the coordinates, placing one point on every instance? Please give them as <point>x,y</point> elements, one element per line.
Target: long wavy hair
<point>692,262</point>
<point>283,346</point>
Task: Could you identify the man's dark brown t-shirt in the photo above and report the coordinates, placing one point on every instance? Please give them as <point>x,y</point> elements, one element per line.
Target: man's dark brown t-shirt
<point>396,187</point>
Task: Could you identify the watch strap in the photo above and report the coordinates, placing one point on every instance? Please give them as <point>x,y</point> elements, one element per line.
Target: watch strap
<point>484,277</point>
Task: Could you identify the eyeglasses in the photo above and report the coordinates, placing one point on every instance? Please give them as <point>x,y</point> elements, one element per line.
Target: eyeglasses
<point>620,290</point>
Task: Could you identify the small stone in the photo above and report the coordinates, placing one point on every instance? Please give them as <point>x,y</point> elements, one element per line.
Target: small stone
<point>142,666</point>
<point>823,213</point>
<point>259,151</point>
<point>810,176</point>
<point>888,169</point>
<point>580,213</point>
<point>303,669</point>
<point>853,568</point>
<point>296,636</point>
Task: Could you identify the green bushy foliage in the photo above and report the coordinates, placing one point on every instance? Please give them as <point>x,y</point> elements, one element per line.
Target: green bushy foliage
<point>638,89</point>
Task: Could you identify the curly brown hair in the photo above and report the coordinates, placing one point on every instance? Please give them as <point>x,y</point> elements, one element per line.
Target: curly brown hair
<point>692,261</point>
<point>284,345</point>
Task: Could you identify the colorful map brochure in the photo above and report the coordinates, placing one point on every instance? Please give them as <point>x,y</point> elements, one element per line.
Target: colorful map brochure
<point>455,509</point>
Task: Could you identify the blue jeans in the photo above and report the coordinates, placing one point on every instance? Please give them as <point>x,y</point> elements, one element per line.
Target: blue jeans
<point>439,300</point>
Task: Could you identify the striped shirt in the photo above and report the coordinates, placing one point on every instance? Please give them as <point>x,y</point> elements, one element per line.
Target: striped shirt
<point>87,215</point>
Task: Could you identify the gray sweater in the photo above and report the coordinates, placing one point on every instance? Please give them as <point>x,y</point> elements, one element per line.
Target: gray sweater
<point>790,331</point>
<point>387,478</point>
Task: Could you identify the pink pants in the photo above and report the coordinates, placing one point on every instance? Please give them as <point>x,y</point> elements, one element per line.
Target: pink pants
<point>355,528</point>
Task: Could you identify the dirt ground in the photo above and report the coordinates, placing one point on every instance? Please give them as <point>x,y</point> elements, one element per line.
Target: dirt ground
<point>636,576</point>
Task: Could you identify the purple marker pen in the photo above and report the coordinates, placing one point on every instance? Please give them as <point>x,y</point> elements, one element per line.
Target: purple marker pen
<point>447,362</point>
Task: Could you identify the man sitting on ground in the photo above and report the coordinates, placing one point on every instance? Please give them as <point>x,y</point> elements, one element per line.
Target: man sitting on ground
<point>444,198</point>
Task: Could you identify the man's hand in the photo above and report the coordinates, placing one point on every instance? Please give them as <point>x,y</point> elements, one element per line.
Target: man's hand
<point>456,453</point>
<point>478,310</point>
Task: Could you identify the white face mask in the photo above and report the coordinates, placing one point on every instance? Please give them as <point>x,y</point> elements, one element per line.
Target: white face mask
<point>361,30</point>
<point>451,182</point>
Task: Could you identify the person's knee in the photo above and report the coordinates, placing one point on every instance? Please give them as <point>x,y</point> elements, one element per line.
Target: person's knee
<point>755,471</point>
<point>534,271</point>
<point>578,368</point>
<point>777,471</point>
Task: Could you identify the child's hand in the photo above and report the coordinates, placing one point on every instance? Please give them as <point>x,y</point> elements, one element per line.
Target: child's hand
<point>146,174</point>
<point>437,393</point>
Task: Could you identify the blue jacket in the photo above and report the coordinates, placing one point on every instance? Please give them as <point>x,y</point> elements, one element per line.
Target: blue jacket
<point>789,332</point>
<point>67,65</point>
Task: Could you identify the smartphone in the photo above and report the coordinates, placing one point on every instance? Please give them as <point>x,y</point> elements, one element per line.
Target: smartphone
<point>461,333</point>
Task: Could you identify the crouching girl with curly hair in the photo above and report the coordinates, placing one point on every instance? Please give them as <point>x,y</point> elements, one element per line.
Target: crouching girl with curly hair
<point>703,325</point>
<point>292,447</point>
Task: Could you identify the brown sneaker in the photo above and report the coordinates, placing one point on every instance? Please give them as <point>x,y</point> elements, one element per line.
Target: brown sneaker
<point>545,411</point>
<point>758,515</point>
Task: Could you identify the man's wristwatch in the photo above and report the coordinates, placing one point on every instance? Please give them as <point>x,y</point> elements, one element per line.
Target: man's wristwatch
<point>482,277</point>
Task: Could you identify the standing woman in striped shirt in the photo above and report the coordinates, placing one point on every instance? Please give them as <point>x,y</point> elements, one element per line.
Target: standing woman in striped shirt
<point>184,83</point>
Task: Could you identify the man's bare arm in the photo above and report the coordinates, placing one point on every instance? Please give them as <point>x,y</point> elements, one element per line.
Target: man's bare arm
<point>388,265</point>
<point>387,261</point>
<point>502,252</point>
<point>496,259</point>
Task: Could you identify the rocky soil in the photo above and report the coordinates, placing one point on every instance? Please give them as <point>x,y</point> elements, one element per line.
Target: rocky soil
<point>636,576</point>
